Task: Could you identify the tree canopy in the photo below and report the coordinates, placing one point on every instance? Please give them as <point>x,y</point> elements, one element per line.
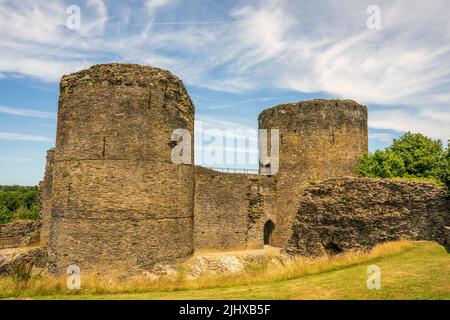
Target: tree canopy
<point>410,156</point>
<point>18,203</point>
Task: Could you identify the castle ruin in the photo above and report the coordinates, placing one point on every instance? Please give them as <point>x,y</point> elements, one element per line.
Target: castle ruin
<point>113,200</point>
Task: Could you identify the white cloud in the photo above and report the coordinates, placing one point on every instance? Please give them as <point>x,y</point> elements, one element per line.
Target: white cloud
<point>382,136</point>
<point>210,122</point>
<point>27,112</point>
<point>155,4</point>
<point>32,21</point>
<point>23,137</point>
<point>296,45</point>
<point>38,67</point>
<point>229,105</point>
<point>102,12</point>
<point>434,122</point>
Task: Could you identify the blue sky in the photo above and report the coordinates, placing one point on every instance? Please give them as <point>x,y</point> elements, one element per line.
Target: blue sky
<point>236,58</point>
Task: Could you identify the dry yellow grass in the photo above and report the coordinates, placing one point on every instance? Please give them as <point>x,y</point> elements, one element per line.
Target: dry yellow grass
<point>260,273</point>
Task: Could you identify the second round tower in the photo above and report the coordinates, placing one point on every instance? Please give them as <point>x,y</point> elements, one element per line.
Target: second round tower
<point>318,140</point>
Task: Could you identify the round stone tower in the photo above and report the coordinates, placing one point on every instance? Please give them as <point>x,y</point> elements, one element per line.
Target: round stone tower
<point>119,202</point>
<point>319,139</point>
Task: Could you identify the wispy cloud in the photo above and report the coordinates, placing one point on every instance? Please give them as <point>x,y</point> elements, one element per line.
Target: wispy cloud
<point>230,105</point>
<point>23,137</point>
<point>27,112</point>
<point>155,4</point>
<point>305,46</point>
<point>382,136</point>
<point>432,121</point>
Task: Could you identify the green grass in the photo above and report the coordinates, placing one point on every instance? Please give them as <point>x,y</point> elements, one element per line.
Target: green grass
<point>420,270</point>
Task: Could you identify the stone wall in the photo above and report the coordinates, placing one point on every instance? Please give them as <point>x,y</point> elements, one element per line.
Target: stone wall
<point>19,234</point>
<point>112,200</point>
<point>119,203</point>
<point>230,209</point>
<point>319,139</point>
<point>355,213</point>
<point>45,198</point>
<point>262,208</point>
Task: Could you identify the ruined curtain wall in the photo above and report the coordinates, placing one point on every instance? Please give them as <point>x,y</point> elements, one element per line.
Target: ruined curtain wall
<point>230,209</point>
<point>358,213</point>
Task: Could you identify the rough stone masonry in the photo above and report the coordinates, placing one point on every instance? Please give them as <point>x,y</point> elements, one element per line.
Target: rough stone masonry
<point>112,200</point>
<point>357,213</point>
<point>118,201</point>
<point>319,139</point>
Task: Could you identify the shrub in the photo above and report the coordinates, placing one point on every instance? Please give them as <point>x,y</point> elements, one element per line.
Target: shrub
<point>21,273</point>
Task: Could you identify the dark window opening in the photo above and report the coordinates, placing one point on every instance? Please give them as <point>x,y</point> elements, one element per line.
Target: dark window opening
<point>268,230</point>
<point>332,248</point>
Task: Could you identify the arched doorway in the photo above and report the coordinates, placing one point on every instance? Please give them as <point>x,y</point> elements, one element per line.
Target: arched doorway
<point>269,226</point>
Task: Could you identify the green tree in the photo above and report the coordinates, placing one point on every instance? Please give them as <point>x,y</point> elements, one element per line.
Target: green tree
<point>421,155</point>
<point>443,172</point>
<point>410,156</point>
<point>28,214</point>
<point>18,202</point>
<point>5,215</point>
<point>381,164</point>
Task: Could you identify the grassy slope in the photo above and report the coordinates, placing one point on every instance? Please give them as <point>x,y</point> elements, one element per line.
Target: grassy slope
<point>419,272</point>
